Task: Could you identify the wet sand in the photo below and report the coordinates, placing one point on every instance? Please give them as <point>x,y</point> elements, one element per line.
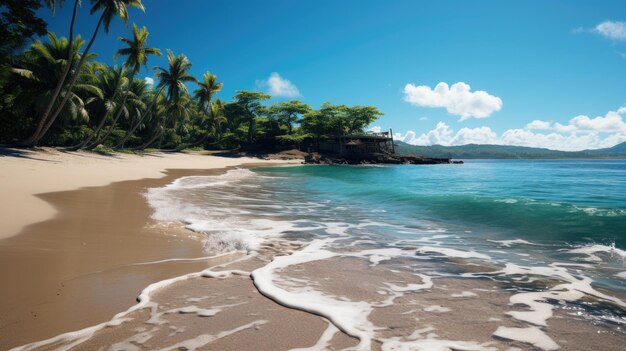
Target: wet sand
<point>77,268</point>
<point>80,269</point>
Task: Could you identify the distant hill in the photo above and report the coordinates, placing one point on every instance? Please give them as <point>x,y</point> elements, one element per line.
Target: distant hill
<point>480,151</point>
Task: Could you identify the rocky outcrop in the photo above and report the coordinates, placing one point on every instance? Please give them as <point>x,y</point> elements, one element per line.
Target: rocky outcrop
<point>316,158</point>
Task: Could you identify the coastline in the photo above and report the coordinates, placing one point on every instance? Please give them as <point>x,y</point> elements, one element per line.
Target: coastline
<point>83,228</point>
<point>27,173</point>
<point>292,291</point>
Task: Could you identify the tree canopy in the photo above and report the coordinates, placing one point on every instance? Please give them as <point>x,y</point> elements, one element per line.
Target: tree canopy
<point>55,93</point>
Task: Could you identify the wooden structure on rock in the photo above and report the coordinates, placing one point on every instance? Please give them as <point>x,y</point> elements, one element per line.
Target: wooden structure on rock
<point>367,144</point>
<point>363,149</point>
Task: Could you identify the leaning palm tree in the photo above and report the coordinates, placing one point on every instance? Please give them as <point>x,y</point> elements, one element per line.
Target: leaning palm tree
<point>37,71</point>
<point>204,95</point>
<point>137,54</point>
<point>112,82</point>
<point>109,10</point>
<point>59,85</point>
<point>172,80</point>
<point>131,102</point>
<point>157,114</point>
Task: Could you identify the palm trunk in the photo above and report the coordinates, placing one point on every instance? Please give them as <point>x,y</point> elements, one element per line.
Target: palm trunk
<point>30,141</point>
<point>250,130</point>
<point>148,111</point>
<point>90,137</point>
<point>156,136</point>
<point>71,84</point>
<point>117,117</point>
<point>184,146</point>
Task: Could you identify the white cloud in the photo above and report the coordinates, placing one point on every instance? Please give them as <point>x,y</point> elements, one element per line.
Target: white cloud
<point>457,99</point>
<point>441,135</point>
<point>149,80</point>
<point>376,129</point>
<point>580,133</point>
<point>280,87</point>
<point>482,135</point>
<point>613,30</point>
<point>537,124</point>
<point>612,122</point>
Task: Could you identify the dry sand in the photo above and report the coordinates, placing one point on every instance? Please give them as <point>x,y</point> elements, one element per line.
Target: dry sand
<point>78,269</point>
<point>72,264</point>
<point>26,173</point>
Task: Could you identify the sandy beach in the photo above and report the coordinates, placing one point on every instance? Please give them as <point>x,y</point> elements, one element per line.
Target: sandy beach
<point>74,224</point>
<point>106,260</point>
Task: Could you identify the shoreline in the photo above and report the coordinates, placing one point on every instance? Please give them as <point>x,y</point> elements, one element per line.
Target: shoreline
<point>287,293</point>
<point>80,255</point>
<point>28,173</point>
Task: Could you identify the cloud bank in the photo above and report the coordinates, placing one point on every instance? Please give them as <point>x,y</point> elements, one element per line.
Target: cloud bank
<point>580,133</point>
<point>280,87</point>
<point>149,80</point>
<point>457,99</point>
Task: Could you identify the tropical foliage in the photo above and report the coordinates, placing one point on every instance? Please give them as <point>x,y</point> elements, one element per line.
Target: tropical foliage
<point>54,93</point>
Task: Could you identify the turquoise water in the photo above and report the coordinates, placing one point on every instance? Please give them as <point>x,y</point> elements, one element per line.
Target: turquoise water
<point>568,202</point>
<point>549,208</point>
<point>545,236</point>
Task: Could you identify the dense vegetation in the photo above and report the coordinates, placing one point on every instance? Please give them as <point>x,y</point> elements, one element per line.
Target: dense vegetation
<point>474,151</point>
<point>55,93</point>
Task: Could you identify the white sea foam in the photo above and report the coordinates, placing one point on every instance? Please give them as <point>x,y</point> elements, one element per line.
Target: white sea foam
<point>509,243</point>
<point>230,177</point>
<point>323,342</point>
<point>530,335</point>
<point>71,339</point>
<point>348,316</point>
<point>601,212</point>
<point>507,201</point>
<point>210,212</point>
<point>592,251</point>
<point>205,339</point>
<point>417,342</point>
<point>464,294</point>
<point>452,252</point>
<point>437,309</point>
<point>539,309</point>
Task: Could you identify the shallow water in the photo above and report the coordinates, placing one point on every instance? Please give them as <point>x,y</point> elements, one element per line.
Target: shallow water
<point>551,233</point>
<point>489,255</point>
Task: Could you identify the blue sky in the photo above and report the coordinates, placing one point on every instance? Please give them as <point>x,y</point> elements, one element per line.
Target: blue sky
<point>559,63</point>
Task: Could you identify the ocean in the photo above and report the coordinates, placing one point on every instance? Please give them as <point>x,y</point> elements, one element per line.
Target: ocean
<point>528,248</point>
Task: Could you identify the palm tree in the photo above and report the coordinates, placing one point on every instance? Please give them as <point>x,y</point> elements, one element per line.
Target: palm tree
<point>217,118</point>
<point>204,94</point>
<point>137,51</point>
<point>157,113</point>
<point>175,76</point>
<point>172,80</point>
<point>111,82</point>
<point>70,58</point>
<point>109,10</point>
<point>206,89</point>
<point>36,73</point>
<point>131,102</point>
<point>137,54</point>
